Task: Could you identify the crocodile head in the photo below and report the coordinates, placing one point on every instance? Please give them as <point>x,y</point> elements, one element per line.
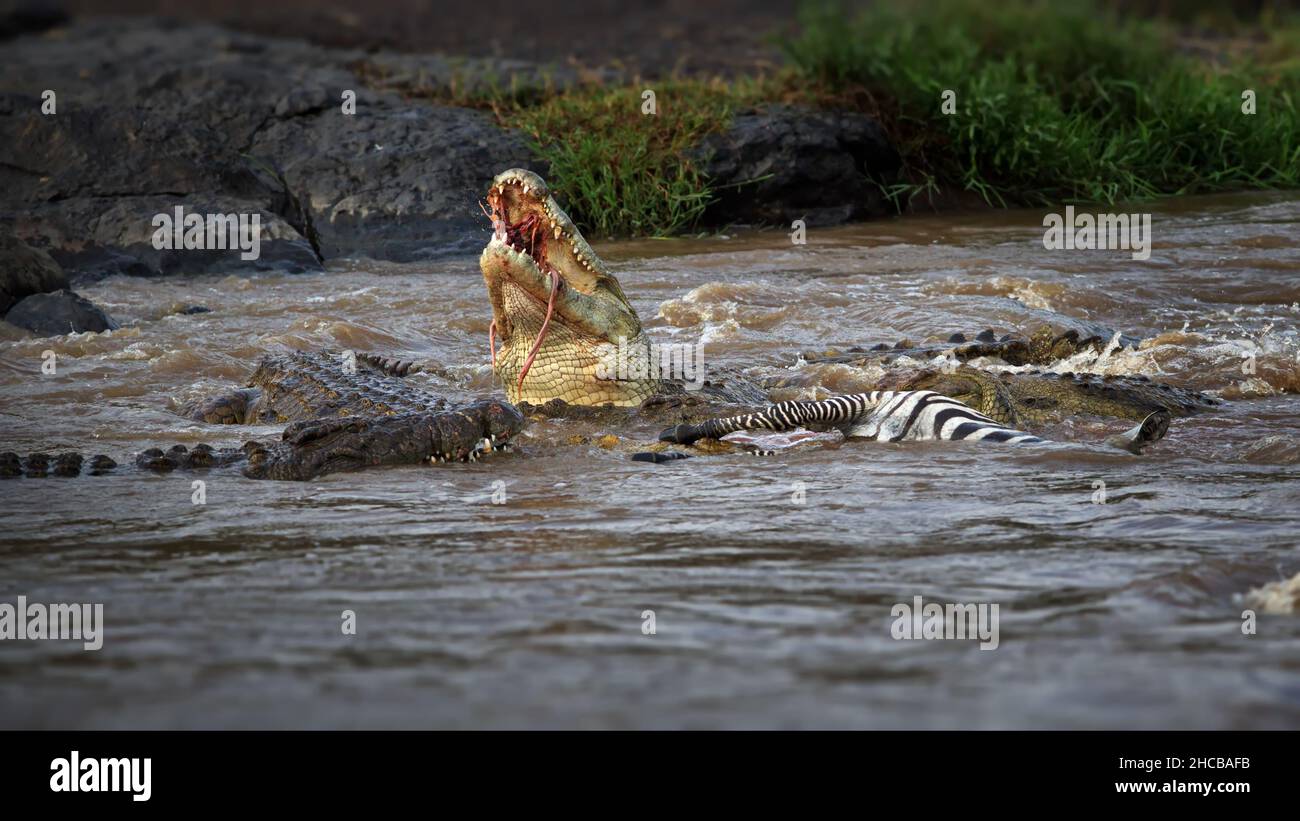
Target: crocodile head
<point>558,313</point>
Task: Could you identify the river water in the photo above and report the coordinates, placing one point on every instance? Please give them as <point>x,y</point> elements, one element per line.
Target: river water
<point>772,579</point>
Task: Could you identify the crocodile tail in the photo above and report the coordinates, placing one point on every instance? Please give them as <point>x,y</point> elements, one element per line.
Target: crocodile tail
<point>179,457</point>
<point>43,464</point>
<point>157,460</point>
<point>314,448</point>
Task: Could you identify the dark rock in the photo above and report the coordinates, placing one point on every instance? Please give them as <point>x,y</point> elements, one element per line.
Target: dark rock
<point>59,313</point>
<point>400,182</point>
<point>781,163</point>
<point>153,114</point>
<point>29,17</point>
<point>25,271</point>
<point>87,183</point>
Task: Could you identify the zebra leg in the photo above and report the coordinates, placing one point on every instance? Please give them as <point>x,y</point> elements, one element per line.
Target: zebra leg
<point>837,411</point>
<point>1136,439</point>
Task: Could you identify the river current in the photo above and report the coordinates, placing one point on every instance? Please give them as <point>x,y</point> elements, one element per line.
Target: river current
<point>771,580</point>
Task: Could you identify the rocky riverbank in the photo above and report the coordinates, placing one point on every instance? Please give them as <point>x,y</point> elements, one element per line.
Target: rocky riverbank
<point>147,115</point>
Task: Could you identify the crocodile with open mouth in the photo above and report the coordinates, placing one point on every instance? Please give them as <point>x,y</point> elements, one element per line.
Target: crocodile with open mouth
<point>558,319</point>
<point>559,314</point>
<point>562,319</point>
<point>555,308</point>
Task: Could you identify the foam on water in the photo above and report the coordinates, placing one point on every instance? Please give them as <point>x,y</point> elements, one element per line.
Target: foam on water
<point>772,577</point>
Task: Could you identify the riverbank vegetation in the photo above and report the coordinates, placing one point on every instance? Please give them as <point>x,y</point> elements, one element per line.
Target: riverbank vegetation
<point>1053,103</point>
<point>1013,103</point>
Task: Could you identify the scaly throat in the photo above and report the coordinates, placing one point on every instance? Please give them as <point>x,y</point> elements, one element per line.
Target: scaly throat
<point>555,308</point>
<point>524,235</point>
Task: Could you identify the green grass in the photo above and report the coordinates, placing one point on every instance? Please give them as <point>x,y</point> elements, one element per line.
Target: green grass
<point>618,171</point>
<point>621,171</point>
<point>1054,102</point>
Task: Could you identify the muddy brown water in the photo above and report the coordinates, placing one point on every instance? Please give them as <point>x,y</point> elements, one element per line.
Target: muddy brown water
<point>767,612</point>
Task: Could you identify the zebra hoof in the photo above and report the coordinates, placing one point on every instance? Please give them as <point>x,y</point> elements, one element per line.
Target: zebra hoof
<point>658,458</point>
<point>682,434</point>
<point>1152,429</point>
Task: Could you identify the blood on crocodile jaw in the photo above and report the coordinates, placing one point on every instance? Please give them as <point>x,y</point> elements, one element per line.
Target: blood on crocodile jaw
<point>558,312</point>
<point>523,235</point>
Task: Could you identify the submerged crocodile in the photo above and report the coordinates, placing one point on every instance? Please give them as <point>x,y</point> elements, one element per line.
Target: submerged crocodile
<point>343,415</point>
<point>559,321</point>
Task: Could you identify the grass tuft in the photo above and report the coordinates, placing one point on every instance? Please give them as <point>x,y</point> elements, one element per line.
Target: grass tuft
<point>1054,102</point>
<point>624,172</point>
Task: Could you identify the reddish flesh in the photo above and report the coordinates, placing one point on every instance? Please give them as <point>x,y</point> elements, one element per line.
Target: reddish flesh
<point>492,342</point>
<point>550,309</point>
<point>530,224</point>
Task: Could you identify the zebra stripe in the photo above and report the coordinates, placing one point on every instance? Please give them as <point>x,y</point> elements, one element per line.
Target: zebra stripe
<point>886,416</point>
